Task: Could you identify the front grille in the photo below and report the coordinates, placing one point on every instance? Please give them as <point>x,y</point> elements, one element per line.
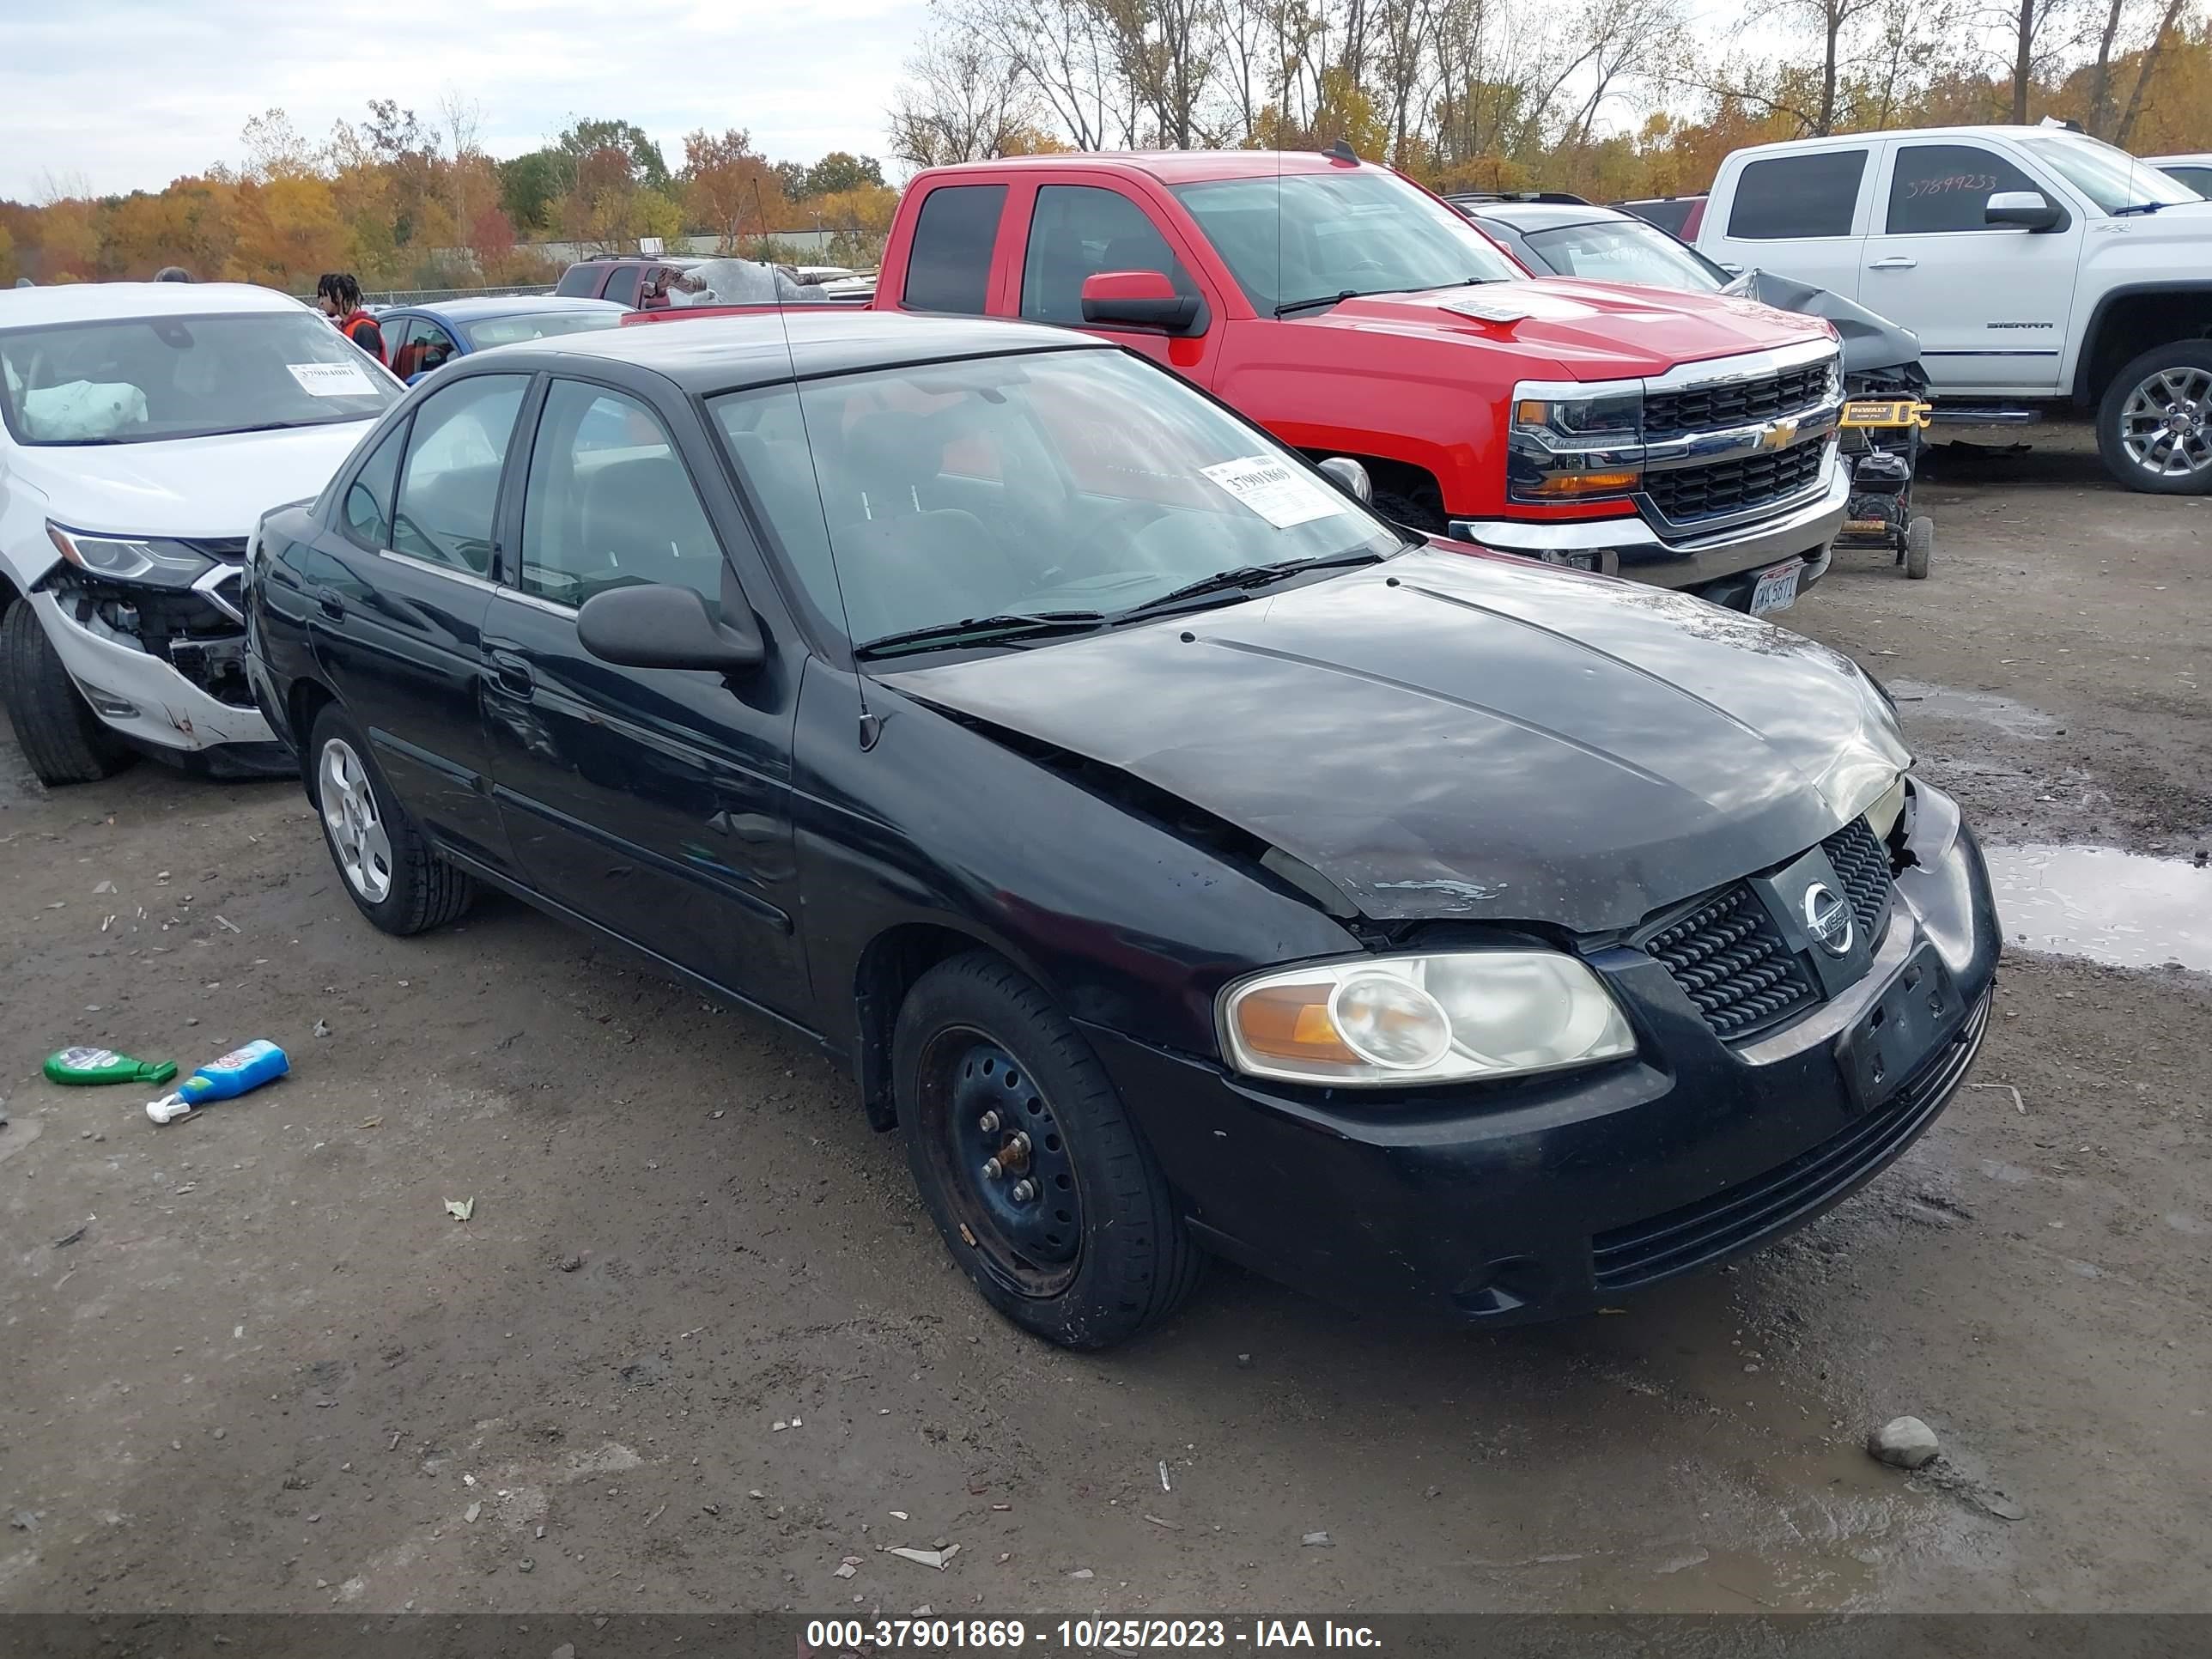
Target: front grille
<point>1685,495</point>
<point>1733,402</point>
<point>1861,864</point>
<point>1736,1217</point>
<point>1727,954</point>
<point>230,550</point>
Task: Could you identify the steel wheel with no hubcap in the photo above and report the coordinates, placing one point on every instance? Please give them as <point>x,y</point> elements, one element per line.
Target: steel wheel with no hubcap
<point>350,814</point>
<point>2166,425</point>
<point>998,1145</point>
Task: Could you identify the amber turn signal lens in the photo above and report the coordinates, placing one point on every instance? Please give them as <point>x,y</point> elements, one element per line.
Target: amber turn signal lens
<point>1575,485</point>
<point>1292,1022</point>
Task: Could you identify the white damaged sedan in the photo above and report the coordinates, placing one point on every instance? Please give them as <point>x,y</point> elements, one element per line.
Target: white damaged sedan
<point>144,428</point>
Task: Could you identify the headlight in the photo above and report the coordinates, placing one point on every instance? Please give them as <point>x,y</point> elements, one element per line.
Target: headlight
<point>1379,1021</point>
<point>150,560</point>
<point>1572,443</point>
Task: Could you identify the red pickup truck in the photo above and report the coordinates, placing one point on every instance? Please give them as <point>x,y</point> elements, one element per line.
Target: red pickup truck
<point>1685,440</point>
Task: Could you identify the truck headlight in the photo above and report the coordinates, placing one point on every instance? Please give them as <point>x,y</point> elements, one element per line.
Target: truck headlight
<point>1571,443</point>
<point>147,559</point>
<point>1383,1022</point>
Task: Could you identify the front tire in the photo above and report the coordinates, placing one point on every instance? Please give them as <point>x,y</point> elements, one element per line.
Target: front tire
<point>388,866</point>
<point>65,741</point>
<point>1079,1238</point>
<point>2154,420</point>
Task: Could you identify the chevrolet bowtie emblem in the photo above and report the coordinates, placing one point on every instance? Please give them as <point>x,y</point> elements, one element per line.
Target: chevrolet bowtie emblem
<point>1778,433</point>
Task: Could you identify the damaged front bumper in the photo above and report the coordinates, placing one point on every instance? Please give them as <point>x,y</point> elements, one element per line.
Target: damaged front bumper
<point>1561,1193</point>
<point>164,667</point>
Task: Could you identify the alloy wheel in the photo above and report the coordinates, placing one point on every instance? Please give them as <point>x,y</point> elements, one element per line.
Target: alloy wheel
<point>356,829</point>
<point>2165,426</point>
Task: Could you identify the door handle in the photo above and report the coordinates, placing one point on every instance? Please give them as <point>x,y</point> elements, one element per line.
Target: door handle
<point>513,672</point>
<point>1895,262</point>
<point>332,605</point>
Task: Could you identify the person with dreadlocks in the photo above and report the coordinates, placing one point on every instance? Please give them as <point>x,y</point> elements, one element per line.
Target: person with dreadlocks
<point>337,295</point>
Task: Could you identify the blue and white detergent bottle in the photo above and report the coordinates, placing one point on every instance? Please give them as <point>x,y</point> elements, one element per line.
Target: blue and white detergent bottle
<point>258,1062</point>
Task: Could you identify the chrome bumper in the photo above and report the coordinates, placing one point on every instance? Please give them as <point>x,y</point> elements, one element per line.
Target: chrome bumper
<point>1632,547</point>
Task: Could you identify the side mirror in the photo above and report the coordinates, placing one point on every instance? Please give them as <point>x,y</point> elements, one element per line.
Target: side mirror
<point>1137,299</point>
<point>2023,209</point>
<point>654,625</point>
<point>1351,477</point>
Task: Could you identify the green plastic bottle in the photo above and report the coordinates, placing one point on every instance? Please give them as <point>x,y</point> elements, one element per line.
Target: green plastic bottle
<point>106,1066</point>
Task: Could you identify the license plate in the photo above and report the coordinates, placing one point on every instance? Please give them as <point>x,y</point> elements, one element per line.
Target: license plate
<point>1776,589</point>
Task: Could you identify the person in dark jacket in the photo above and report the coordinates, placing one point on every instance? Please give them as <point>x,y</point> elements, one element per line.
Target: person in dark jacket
<point>337,295</point>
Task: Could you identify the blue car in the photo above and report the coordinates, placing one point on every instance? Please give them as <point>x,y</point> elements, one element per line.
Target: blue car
<point>420,339</point>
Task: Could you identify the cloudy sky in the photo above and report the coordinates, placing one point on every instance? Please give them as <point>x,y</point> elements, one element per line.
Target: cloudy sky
<point>124,94</point>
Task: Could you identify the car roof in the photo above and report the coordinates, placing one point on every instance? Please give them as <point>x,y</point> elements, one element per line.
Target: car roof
<point>1525,216</point>
<point>720,354</point>
<point>1175,167</point>
<point>2199,158</point>
<point>81,302</point>
<point>482,307</point>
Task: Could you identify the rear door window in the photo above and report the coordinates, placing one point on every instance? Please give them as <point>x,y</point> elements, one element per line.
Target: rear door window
<point>580,281</point>
<point>1943,187</point>
<point>1789,197</point>
<point>948,267</point>
<point>622,284</point>
<point>449,485</point>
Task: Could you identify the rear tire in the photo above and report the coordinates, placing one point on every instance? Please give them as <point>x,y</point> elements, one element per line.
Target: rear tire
<point>2171,383</point>
<point>1919,547</point>
<point>1099,1252</point>
<point>390,871</point>
<point>65,741</point>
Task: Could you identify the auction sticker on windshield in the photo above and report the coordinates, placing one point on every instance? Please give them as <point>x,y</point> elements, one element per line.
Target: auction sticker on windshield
<point>333,379</point>
<point>1776,589</point>
<point>1282,496</point>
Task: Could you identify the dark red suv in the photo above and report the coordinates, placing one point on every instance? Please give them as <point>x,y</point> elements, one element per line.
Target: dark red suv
<point>627,279</point>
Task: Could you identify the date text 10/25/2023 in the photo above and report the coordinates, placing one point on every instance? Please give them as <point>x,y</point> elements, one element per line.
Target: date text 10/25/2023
<point>828,1639</point>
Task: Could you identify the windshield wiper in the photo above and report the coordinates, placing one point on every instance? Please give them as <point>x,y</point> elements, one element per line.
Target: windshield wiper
<point>2136,207</point>
<point>1243,579</point>
<point>1290,305</point>
<point>982,630</point>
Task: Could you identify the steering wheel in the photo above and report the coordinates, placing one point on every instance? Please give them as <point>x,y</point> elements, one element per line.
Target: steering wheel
<point>1125,520</point>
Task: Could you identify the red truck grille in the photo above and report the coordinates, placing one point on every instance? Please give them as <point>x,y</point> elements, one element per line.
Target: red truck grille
<point>1733,402</point>
<point>1685,495</point>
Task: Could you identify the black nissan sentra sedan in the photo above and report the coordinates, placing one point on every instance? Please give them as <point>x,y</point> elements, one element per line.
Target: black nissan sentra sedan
<point>1182,858</point>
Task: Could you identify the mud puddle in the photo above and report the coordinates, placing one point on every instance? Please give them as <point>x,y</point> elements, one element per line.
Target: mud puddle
<point>2124,909</point>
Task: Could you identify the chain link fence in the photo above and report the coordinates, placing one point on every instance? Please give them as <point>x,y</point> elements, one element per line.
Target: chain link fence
<point>425,296</point>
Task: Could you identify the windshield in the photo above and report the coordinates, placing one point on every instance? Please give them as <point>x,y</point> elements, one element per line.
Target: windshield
<point>1305,237</point>
<point>537,325</point>
<point>141,379</point>
<point>2111,178</point>
<point>1626,251</point>
<point>1079,484</point>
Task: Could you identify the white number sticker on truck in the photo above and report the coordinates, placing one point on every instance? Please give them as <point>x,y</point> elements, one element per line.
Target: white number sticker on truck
<point>1281,495</point>
<point>333,379</point>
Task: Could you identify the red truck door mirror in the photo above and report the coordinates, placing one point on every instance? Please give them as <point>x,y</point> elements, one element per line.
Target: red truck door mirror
<point>1137,299</point>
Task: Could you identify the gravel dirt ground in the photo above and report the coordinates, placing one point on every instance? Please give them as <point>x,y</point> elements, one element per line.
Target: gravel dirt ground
<point>698,1344</point>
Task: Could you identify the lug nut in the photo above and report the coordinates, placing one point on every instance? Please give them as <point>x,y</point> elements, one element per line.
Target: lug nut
<point>991,1170</point>
<point>1024,1191</point>
<point>989,1123</point>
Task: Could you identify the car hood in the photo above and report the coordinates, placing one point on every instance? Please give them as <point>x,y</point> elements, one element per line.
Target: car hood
<point>214,486</point>
<point>1454,736</point>
<point>1588,331</point>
